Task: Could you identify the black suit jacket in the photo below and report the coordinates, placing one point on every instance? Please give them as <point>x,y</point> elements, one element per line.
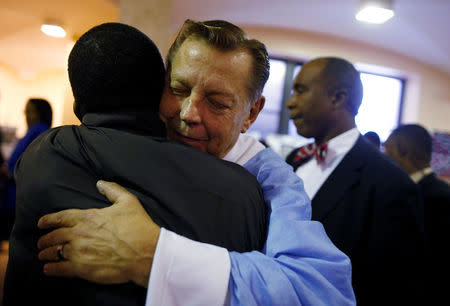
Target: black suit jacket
<point>182,189</point>
<point>436,196</point>
<point>372,211</point>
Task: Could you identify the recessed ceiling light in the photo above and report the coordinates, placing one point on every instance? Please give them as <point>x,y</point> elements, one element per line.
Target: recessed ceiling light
<point>53,30</point>
<point>375,11</point>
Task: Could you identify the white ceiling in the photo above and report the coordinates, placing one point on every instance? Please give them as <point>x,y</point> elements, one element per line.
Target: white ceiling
<point>420,29</point>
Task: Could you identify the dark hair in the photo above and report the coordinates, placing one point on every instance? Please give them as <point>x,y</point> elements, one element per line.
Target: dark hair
<point>43,108</point>
<point>373,138</point>
<point>340,73</point>
<point>113,67</point>
<point>226,36</point>
<point>418,143</point>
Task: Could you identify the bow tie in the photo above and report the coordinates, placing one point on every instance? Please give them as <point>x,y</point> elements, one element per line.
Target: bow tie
<point>305,152</point>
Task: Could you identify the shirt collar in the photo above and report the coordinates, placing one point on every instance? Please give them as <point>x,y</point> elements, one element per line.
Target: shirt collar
<point>244,149</point>
<point>418,175</point>
<point>341,144</point>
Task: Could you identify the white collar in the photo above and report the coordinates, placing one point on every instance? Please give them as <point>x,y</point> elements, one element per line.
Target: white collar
<point>244,149</point>
<point>341,144</point>
<point>420,174</point>
<point>314,174</point>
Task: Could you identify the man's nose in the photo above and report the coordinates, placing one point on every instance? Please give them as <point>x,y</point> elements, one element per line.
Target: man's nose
<point>190,111</point>
<point>290,104</point>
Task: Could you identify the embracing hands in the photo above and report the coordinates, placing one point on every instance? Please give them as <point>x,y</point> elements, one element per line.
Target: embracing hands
<point>110,245</point>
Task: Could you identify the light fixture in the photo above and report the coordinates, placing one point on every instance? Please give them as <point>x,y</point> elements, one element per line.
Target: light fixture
<point>53,29</point>
<point>375,11</point>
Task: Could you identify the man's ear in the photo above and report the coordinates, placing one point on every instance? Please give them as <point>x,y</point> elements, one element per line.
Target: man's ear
<point>402,148</point>
<point>253,114</point>
<point>341,98</point>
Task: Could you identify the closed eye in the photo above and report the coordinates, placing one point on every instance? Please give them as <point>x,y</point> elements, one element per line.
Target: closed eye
<point>178,91</point>
<point>217,104</point>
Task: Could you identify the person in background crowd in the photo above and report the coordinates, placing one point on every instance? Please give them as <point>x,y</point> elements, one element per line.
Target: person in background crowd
<point>3,179</point>
<point>373,138</point>
<point>369,207</point>
<point>38,115</point>
<point>410,146</point>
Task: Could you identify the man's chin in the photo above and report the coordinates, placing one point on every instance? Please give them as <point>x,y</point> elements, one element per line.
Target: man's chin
<point>303,132</point>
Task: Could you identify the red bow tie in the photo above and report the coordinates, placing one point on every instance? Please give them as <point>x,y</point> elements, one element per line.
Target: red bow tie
<point>320,152</point>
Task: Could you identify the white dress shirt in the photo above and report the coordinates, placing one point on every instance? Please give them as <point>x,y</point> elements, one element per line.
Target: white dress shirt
<point>314,174</point>
<point>418,175</point>
<point>181,265</point>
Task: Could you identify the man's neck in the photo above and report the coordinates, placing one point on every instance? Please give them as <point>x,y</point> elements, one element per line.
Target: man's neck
<point>335,131</point>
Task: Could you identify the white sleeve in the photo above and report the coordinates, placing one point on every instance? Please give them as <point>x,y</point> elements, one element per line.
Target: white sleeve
<point>187,272</point>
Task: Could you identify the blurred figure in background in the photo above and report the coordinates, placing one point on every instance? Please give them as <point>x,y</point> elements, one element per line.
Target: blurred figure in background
<point>2,178</point>
<point>38,114</point>
<point>410,146</point>
<point>373,138</point>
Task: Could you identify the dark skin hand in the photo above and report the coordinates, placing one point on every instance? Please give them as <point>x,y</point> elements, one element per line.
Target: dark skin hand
<point>108,246</point>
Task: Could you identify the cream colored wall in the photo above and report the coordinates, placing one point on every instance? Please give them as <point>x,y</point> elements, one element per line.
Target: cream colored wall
<point>427,95</point>
<point>68,117</point>
<point>153,17</point>
<point>15,90</point>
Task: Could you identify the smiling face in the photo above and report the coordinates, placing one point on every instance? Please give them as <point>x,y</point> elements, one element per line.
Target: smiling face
<point>205,102</point>
<point>310,105</point>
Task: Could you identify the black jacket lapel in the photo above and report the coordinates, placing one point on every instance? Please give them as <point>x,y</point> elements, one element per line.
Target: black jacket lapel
<point>344,177</point>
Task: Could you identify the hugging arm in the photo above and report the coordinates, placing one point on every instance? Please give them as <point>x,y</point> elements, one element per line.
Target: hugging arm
<point>110,245</point>
<point>299,264</point>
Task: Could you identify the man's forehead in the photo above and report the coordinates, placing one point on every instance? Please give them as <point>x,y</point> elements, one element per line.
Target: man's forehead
<point>196,46</point>
<point>201,58</point>
<point>310,73</point>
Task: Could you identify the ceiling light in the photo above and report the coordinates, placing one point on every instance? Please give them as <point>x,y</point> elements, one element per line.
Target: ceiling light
<point>53,30</point>
<point>375,11</point>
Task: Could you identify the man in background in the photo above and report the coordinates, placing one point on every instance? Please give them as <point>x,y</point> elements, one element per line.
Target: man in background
<point>373,138</point>
<point>410,146</point>
<point>38,115</point>
<point>370,209</point>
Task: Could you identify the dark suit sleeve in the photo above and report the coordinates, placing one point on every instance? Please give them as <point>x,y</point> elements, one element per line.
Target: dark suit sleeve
<point>45,185</point>
<point>436,194</point>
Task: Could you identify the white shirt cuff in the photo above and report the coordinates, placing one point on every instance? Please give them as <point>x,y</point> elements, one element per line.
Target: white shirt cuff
<point>187,272</point>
